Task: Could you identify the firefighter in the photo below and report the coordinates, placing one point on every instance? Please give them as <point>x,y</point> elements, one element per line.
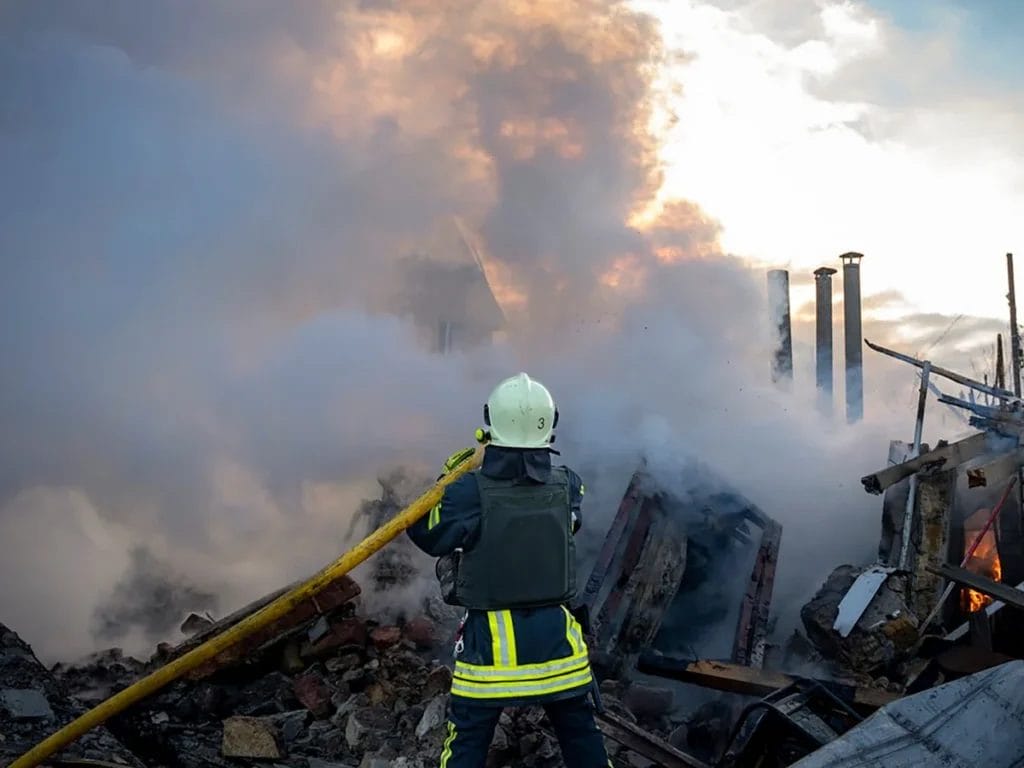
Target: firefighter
<point>504,536</point>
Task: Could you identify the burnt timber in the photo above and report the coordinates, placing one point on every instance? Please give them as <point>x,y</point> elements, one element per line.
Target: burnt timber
<point>646,558</point>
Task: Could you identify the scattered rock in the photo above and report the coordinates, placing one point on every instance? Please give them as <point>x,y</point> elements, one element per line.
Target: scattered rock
<point>290,725</point>
<point>385,637</point>
<point>25,704</point>
<point>433,716</point>
<point>438,681</point>
<point>365,727</point>
<point>648,702</point>
<point>422,632</point>
<point>313,693</point>
<point>250,737</point>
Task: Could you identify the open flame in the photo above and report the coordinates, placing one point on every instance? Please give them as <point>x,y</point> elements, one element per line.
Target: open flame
<point>984,562</point>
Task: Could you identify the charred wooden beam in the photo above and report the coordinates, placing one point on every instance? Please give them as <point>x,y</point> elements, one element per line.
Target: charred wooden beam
<point>945,373</point>
<point>978,583</point>
<point>946,456</point>
<point>734,678</point>
<point>646,744</point>
<point>752,630</point>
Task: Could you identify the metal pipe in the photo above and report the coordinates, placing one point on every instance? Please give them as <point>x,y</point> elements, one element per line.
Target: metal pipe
<point>823,336</point>
<point>1000,363</point>
<point>778,308</point>
<point>1015,354</point>
<point>908,514</point>
<point>853,336</point>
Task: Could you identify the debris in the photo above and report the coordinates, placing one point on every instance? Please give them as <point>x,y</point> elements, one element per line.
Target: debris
<point>868,649</point>
<point>974,581</point>
<point>977,720</point>
<point>433,716</point>
<point>385,637</point>
<point>647,702</point>
<point>948,455</point>
<point>858,598</point>
<point>251,737</point>
<point>751,682</point>
<point>25,704</point>
<point>422,632</point>
<point>311,690</point>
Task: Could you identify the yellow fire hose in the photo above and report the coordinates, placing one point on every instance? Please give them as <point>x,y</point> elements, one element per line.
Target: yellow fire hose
<point>270,612</point>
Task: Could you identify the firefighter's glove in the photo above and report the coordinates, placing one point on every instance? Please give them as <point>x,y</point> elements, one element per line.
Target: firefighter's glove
<point>455,460</point>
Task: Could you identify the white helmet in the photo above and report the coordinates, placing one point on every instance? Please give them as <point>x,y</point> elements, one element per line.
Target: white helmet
<point>521,414</point>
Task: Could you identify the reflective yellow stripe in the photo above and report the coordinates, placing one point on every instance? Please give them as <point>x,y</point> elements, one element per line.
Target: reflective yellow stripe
<point>583,490</point>
<point>510,637</point>
<point>573,634</point>
<point>503,638</point>
<point>435,516</point>
<point>447,751</point>
<point>527,688</point>
<point>529,672</point>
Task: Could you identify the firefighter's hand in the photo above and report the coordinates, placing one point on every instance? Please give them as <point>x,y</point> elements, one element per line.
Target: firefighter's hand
<point>456,459</point>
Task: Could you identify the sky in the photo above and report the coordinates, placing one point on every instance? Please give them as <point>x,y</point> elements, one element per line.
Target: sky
<point>810,128</point>
<point>206,219</point>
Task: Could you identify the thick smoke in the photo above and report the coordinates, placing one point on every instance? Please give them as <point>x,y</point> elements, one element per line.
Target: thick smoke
<point>205,276</point>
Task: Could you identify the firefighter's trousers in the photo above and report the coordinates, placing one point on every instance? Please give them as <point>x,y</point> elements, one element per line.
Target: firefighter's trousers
<point>471,728</point>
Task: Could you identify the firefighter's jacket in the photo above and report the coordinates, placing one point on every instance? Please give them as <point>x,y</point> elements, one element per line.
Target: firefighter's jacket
<point>508,657</point>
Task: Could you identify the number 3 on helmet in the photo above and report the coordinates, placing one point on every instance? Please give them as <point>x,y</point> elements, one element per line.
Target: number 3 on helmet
<point>521,414</point>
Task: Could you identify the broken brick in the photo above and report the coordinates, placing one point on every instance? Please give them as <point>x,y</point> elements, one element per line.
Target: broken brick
<point>422,632</point>
<point>313,693</point>
<point>344,635</point>
<point>385,637</point>
<point>250,737</point>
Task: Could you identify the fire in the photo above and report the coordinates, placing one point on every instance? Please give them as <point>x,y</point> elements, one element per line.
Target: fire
<point>984,562</point>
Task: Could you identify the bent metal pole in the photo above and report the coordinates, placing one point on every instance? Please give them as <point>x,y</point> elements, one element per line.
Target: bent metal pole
<point>269,613</point>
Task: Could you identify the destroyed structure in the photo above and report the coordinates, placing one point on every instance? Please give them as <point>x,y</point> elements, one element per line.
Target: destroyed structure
<point>914,660</point>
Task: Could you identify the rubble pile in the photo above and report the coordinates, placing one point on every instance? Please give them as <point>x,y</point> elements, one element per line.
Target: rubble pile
<point>33,703</point>
<point>366,695</point>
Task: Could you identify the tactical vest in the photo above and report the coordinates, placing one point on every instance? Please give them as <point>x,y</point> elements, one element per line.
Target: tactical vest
<point>525,556</point>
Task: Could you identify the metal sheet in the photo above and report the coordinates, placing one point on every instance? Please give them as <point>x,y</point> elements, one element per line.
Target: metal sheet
<point>859,597</point>
<point>972,722</point>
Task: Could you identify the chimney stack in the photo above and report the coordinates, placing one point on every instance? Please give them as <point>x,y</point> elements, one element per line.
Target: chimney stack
<point>778,308</point>
<point>823,336</point>
<point>854,337</point>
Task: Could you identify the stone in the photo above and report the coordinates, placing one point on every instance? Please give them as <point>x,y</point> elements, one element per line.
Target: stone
<point>290,725</point>
<point>365,727</point>
<point>324,737</point>
<point>433,716</point>
<point>648,702</point>
<point>385,637</point>
<point>500,742</point>
<point>344,635</point>
<point>372,761</point>
<point>250,737</point>
<point>345,705</point>
<point>313,693</point>
<point>340,664</point>
<point>407,762</point>
<point>25,704</point>
<point>316,762</point>
<point>438,681</point>
<point>422,632</point>
<point>639,761</point>
<point>678,737</point>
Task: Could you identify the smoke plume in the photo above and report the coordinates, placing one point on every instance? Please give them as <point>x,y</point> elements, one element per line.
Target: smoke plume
<point>207,316</point>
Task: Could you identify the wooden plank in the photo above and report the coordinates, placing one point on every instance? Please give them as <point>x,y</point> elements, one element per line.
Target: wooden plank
<point>752,627</point>
<point>652,585</point>
<point>734,678</point>
<point>949,456</point>
<point>643,743</point>
<point>986,586</point>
